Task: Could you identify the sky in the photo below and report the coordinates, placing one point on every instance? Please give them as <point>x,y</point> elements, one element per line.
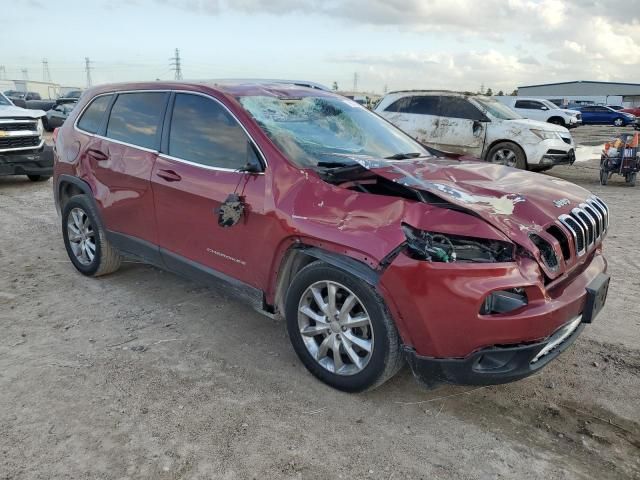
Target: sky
<point>392,44</point>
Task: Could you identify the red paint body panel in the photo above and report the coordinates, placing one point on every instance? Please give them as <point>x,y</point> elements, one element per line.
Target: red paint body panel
<point>435,305</point>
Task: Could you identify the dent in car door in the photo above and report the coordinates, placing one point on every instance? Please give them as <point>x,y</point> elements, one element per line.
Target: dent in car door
<point>204,148</point>
<point>461,129</point>
<point>416,116</point>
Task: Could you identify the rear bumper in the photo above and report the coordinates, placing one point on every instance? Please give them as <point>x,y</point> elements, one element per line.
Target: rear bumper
<point>33,162</point>
<point>496,365</point>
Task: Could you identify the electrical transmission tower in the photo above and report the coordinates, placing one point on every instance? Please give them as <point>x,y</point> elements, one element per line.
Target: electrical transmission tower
<point>46,75</point>
<point>3,73</point>
<point>355,81</point>
<point>88,68</point>
<point>176,66</point>
<point>25,74</point>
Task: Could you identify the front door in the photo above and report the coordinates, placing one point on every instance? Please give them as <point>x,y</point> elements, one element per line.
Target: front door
<point>196,175</point>
<point>460,127</point>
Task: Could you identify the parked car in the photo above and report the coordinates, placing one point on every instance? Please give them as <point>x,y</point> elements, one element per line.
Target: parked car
<point>478,126</point>
<point>635,111</point>
<point>601,115</point>
<point>22,148</point>
<point>23,95</point>
<point>372,248</point>
<point>543,111</point>
<point>57,115</point>
<point>617,108</point>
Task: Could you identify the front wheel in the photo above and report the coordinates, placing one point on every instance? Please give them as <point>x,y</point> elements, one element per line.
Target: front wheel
<point>38,178</point>
<point>508,154</point>
<point>341,330</point>
<point>604,177</point>
<point>631,179</point>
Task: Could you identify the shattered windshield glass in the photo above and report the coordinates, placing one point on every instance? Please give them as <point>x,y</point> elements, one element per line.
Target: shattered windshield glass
<point>497,109</point>
<point>325,131</point>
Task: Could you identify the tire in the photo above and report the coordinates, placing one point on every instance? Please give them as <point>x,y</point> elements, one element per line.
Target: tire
<point>556,121</point>
<point>38,178</point>
<point>81,214</point>
<point>631,179</point>
<point>618,122</point>
<point>45,125</point>
<point>604,177</point>
<point>372,367</point>
<point>539,169</point>
<point>512,155</point>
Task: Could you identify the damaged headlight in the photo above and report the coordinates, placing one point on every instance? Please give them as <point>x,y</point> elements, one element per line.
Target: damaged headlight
<point>545,134</point>
<point>437,247</point>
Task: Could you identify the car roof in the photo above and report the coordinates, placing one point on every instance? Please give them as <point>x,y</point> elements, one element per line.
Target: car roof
<point>233,87</point>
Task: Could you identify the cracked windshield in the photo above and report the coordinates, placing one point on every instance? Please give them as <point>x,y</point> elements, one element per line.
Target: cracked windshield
<point>327,131</point>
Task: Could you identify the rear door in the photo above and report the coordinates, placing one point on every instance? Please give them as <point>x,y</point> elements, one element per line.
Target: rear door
<point>462,127</point>
<point>122,160</point>
<point>198,172</point>
<point>417,116</point>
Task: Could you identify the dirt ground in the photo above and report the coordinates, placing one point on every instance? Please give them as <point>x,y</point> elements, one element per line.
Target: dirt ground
<point>142,374</point>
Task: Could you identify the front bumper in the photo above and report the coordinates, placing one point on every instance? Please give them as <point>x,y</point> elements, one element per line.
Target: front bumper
<point>558,157</point>
<point>552,151</point>
<point>495,365</point>
<point>31,162</point>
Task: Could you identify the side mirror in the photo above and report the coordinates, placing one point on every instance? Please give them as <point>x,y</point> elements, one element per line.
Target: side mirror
<point>253,164</point>
<point>544,108</point>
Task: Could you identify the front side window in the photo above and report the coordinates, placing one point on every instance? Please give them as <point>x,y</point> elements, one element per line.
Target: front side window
<point>326,130</point>
<point>91,118</point>
<point>135,118</point>
<point>459,107</point>
<point>203,132</point>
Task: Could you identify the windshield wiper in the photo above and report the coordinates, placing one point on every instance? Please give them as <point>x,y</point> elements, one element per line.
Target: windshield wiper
<point>404,156</point>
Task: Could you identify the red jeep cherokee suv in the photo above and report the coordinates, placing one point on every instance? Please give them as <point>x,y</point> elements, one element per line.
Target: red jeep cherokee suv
<point>375,249</point>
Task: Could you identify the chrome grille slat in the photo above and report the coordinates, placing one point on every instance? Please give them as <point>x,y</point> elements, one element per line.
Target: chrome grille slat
<point>588,223</point>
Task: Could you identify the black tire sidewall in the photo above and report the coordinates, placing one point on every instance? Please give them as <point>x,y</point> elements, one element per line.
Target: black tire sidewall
<point>376,310</point>
<point>521,159</point>
<point>81,201</point>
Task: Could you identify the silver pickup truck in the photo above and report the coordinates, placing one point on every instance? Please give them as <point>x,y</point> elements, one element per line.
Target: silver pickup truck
<point>22,146</point>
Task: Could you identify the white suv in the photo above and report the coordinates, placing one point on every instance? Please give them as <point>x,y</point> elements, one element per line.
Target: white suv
<point>543,110</point>
<point>478,126</point>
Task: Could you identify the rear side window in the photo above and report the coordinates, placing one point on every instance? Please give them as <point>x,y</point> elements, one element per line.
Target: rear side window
<point>529,104</point>
<point>459,107</point>
<point>427,105</point>
<point>91,118</point>
<point>400,106</point>
<point>203,132</point>
<point>135,118</point>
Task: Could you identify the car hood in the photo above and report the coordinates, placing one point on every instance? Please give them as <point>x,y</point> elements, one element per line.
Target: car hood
<point>528,123</point>
<point>515,202</point>
<point>11,111</point>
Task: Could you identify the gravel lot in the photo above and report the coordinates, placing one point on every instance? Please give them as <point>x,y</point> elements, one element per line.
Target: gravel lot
<point>144,375</point>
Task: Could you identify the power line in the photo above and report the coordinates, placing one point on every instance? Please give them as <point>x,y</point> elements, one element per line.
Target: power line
<point>355,81</point>
<point>46,75</point>
<point>87,69</point>
<point>176,66</point>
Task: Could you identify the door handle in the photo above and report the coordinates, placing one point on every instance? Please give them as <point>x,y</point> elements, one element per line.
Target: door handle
<point>169,175</point>
<point>97,154</point>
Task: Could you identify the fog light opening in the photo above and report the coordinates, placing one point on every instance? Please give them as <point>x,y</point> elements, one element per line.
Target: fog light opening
<point>504,301</point>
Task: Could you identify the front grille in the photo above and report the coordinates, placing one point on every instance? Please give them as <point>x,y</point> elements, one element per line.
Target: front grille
<point>547,253</point>
<point>587,224</point>
<point>18,126</point>
<point>19,142</point>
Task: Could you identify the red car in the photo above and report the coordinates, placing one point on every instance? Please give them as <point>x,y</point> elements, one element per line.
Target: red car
<point>375,249</point>
<point>632,110</point>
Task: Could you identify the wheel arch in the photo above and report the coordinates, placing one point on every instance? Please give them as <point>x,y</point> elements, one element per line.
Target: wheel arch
<point>557,120</point>
<point>299,255</point>
<point>67,187</point>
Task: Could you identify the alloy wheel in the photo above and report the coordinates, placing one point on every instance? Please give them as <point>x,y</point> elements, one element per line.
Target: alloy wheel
<point>504,156</point>
<point>82,237</point>
<point>335,328</point>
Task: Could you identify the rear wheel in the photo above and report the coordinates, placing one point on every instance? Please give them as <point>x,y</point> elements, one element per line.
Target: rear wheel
<point>618,122</point>
<point>509,154</point>
<point>604,177</point>
<point>38,178</point>
<point>85,240</point>
<point>631,179</point>
<point>341,329</point>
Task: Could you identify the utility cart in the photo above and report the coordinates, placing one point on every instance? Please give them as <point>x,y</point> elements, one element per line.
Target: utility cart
<point>622,157</point>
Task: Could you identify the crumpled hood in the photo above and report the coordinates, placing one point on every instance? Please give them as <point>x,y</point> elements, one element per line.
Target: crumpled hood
<point>516,202</point>
<point>11,111</point>
<point>545,126</point>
